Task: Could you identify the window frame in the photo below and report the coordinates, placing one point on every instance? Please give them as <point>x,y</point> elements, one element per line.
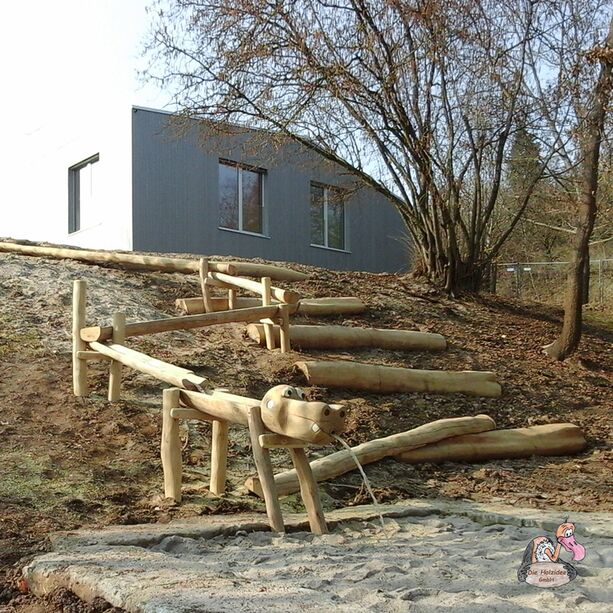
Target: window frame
<point>240,166</point>
<point>74,192</point>
<point>327,188</point>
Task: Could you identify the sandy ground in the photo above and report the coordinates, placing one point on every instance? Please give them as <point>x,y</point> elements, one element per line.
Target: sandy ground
<point>430,563</point>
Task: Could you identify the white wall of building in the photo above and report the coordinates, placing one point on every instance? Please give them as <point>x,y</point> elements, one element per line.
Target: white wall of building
<point>69,73</point>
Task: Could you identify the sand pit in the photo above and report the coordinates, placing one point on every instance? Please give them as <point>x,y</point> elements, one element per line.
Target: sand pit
<point>434,562</point>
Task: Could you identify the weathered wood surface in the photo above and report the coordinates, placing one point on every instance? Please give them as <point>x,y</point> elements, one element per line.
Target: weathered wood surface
<point>282,295</point>
<point>153,262</point>
<point>388,379</point>
<point>309,491</point>
<point>174,375</point>
<point>342,461</point>
<point>315,307</point>
<point>119,337</point>
<point>114,258</point>
<point>219,456</point>
<point>546,440</point>
<point>79,365</point>
<point>187,322</point>
<point>220,405</point>
<point>170,447</point>
<point>344,337</point>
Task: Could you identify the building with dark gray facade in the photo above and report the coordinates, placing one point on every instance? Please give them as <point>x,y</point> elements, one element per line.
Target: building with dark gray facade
<point>167,184</point>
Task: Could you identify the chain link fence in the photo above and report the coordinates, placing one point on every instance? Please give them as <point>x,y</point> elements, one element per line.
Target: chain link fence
<point>546,282</point>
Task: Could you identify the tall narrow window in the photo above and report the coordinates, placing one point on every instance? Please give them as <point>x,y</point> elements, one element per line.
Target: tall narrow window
<point>327,216</point>
<point>82,184</point>
<point>240,197</point>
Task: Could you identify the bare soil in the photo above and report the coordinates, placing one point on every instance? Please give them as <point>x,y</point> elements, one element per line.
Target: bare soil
<point>68,462</point>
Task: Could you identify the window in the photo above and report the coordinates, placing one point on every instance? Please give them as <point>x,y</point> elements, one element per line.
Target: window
<point>240,197</point>
<point>327,216</point>
<point>81,202</point>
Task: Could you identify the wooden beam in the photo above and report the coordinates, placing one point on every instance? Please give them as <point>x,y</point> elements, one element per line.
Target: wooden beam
<point>345,337</point>
<point>284,329</point>
<point>282,295</point>
<point>278,273</point>
<point>387,379</point>
<point>188,322</point>
<point>265,474</point>
<point>220,405</point>
<point>119,337</point>
<point>170,448</point>
<point>342,461</point>
<point>272,441</point>
<point>309,491</point>
<point>174,375</point>
<point>546,440</point>
<point>219,457</point>
<point>114,258</point>
<point>316,307</point>
<point>79,366</point>
<point>182,413</point>
<point>267,301</point>
<point>92,356</point>
<point>206,290</point>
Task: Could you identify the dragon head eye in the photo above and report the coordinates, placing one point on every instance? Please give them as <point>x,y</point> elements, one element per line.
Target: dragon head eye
<point>288,393</point>
<point>300,393</point>
<point>270,404</point>
<point>568,532</point>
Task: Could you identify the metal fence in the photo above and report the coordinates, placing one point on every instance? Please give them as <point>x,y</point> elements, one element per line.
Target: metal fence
<point>546,282</point>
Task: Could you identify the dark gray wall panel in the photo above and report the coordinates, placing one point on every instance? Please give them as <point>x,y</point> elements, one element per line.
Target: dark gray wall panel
<point>175,201</point>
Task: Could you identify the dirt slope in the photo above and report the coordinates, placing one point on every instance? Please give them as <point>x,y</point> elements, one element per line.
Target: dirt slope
<point>68,462</point>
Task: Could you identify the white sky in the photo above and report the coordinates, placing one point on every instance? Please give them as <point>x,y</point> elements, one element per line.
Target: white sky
<point>52,53</point>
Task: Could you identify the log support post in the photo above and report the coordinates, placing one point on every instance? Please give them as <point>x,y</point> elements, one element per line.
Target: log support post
<point>119,337</point>
<point>264,468</point>
<point>267,301</point>
<point>219,456</point>
<point>284,335</point>
<point>170,450</point>
<point>232,299</point>
<point>309,491</point>
<point>79,365</point>
<point>206,290</point>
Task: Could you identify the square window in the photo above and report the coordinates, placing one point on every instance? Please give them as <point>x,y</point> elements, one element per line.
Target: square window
<point>327,216</point>
<point>241,197</point>
<point>82,211</point>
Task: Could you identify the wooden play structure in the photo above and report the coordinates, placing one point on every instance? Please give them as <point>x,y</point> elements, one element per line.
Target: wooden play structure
<point>283,418</point>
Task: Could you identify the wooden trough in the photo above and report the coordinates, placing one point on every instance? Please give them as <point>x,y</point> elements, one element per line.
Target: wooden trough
<point>344,337</point>
<point>388,379</point>
<point>546,440</point>
<point>342,461</point>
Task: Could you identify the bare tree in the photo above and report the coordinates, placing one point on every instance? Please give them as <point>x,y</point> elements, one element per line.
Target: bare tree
<point>590,138</point>
<point>420,98</point>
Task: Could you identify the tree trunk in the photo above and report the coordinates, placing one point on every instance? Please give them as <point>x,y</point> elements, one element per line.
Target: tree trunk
<point>569,338</point>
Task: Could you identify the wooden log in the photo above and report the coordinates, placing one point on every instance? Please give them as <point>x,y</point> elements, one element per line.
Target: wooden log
<point>309,491</point>
<point>187,322</point>
<point>220,405</point>
<point>265,474</point>
<point>92,356</point>
<point>219,457</point>
<point>273,441</point>
<point>547,440</point>
<point>79,366</point>
<point>232,299</point>
<point>316,307</point>
<point>119,338</point>
<point>344,337</point>
<point>206,290</point>
<point>277,273</point>
<point>174,375</point>
<point>388,379</point>
<point>282,295</point>
<point>267,301</point>
<point>284,329</point>
<point>114,258</point>
<point>182,413</point>
<point>170,448</point>
<point>342,461</point>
